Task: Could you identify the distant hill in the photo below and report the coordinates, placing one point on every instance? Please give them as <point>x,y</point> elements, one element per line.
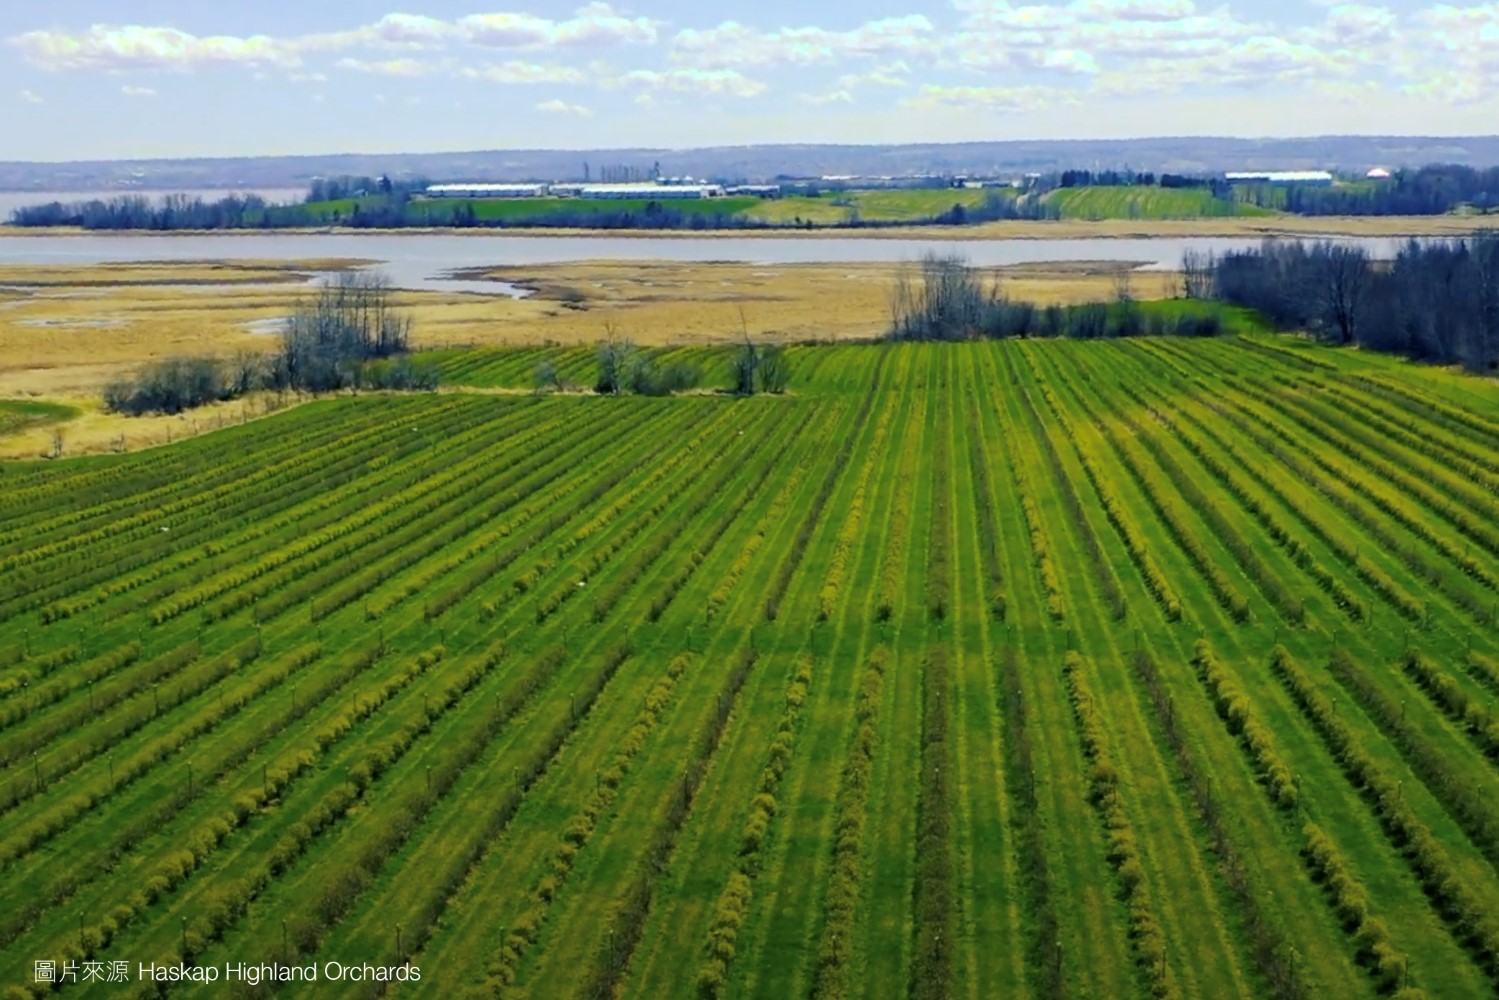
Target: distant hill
<point>751,163</point>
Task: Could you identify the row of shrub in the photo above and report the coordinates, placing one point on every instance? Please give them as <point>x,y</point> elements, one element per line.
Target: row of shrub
<point>1043,944</point>
<point>663,537</point>
<point>391,512</point>
<point>1472,807</point>
<point>1443,688</point>
<point>1474,426</point>
<point>340,888</point>
<point>733,902</point>
<point>178,866</point>
<point>528,470</point>
<point>579,828</point>
<point>1485,670</point>
<point>848,534</point>
<point>1413,433</point>
<point>1469,506</point>
<point>935,899</point>
<point>1468,913</point>
<point>1113,595</point>
<point>841,904</point>
<point>1271,950</point>
<point>1051,586</point>
<point>38,667</point>
<point>1224,592</point>
<point>1465,521</point>
<point>1382,584</point>
<point>804,532</point>
<point>1147,939</point>
<point>22,839</point>
<point>988,521</point>
<point>1376,579</point>
<point>69,719</point>
<point>168,744</point>
<point>1350,901</point>
<point>1233,707</point>
<point>667,592</point>
<point>1276,592</point>
<point>902,524</point>
<point>626,924</point>
<point>1298,552</point>
<point>939,580</point>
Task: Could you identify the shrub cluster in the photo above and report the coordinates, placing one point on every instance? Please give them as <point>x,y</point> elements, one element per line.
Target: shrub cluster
<point>1485,670</point>
<point>842,901</point>
<point>752,545</point>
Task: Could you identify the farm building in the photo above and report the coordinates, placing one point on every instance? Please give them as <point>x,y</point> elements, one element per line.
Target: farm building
<point>651,191</point>
<point>486,190</point>
<point>1377,174</point>
<point>1318,178</point>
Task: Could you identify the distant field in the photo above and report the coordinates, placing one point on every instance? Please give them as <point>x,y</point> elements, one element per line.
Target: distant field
<point>1146,203</point>
<point>1132,669</point>
<point>871,205</point>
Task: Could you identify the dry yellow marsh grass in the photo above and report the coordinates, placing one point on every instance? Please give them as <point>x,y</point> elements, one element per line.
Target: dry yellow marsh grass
<point>73,329</point>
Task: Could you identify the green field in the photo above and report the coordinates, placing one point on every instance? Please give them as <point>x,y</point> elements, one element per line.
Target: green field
<point>869,206</point>
<point>1093,203</point>
<point>1151,668</point>
<point>19,414</point>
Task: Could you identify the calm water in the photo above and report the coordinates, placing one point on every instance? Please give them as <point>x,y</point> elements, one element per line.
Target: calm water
<point>426,261</point>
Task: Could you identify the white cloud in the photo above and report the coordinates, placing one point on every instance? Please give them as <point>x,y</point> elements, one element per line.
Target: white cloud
<point>717,82</point>
<point>594,24</point>
<point>516,71</point>
<point>1013,100</point>
<point>390,67</point>
<point>894,74</point>
<point>29,97</point>
<point>308,78</point>
<point>105,47</point>
<point>556,106</point>
<point>1133,10</point>
<point>130,91</point>
<point>733,44</point>
<point>832,97</point>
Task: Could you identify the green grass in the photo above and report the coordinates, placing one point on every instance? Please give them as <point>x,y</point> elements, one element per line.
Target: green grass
<point>20,414</point>
<point>1093,203</point>
<point>520,677</point>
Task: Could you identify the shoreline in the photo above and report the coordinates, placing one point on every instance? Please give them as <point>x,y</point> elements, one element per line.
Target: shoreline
<point>1388,227</point>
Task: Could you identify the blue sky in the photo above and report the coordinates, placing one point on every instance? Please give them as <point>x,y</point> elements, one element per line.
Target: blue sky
<point>139,78</point>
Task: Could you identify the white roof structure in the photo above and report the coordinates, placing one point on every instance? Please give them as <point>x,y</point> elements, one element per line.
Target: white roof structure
<point>1280,176</point>
<point>486,190</point>
<point>1378,174</point>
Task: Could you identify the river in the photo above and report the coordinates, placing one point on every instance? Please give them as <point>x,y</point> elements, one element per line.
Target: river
<point>427,261</point>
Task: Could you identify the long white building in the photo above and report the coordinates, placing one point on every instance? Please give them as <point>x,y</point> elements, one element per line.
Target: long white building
<point>1314,177</point>
<point>486,190</point>
<point>655,192</point>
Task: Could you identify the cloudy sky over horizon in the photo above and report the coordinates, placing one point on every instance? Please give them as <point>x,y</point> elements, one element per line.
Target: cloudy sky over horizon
<point>143,78</point>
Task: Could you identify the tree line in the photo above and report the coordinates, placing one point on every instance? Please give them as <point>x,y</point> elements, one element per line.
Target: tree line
<point>946,298</point>
<point>349,336</point>
<point>1437,300</point>
<point>1431,190</point>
